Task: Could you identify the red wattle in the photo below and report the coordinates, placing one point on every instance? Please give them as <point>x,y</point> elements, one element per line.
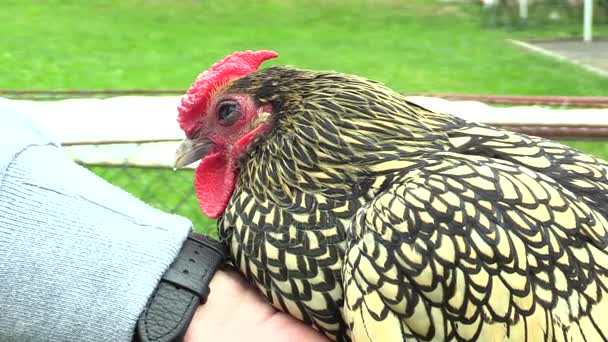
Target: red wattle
<point>214,183</point>
<point>215,176</point>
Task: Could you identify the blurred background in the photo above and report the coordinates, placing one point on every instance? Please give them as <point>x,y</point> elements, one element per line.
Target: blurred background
<point>157,47</point>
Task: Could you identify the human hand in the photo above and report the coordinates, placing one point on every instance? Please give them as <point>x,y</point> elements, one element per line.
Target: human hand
<point>235,311</point>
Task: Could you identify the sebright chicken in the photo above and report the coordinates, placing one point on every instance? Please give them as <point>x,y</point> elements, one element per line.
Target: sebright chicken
<point>372,218</point>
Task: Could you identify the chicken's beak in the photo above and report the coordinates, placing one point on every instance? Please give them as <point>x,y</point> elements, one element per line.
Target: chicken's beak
<point>190,151</point>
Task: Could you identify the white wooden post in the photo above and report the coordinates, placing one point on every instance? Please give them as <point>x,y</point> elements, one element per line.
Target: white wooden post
<point>588,21</point>
<point>523,9</point>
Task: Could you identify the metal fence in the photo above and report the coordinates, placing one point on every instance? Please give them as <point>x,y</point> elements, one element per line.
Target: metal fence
<point>162,188</point>
<point>172,191</point>
<point>158,185</point>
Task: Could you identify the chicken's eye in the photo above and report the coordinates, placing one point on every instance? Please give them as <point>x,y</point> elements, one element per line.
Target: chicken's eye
<point>228,113</point>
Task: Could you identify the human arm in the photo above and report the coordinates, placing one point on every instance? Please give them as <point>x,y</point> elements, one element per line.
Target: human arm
<point>79,258</point>
<point>235,311</point>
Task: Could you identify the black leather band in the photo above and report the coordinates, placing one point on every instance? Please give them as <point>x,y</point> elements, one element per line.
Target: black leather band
<point>182,288</point>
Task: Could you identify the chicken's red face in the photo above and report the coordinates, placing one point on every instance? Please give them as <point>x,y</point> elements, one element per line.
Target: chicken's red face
<point>219,126</point>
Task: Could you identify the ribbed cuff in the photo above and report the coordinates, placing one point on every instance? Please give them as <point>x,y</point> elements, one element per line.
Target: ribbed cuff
<point>79,257</point>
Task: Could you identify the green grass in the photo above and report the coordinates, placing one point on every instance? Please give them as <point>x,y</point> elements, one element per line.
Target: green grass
<point>412,45</point>
<point>597,148</point>
<point>170,191</point>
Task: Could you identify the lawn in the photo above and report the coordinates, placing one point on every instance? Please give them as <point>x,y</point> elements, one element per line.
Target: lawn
<point>413,46</point>
<point>171,191</point>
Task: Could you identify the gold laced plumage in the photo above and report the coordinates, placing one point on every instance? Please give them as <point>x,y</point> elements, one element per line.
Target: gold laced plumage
<point>373,219</point>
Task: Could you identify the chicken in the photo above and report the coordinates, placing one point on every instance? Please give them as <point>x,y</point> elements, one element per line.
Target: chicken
<point>374,219</point>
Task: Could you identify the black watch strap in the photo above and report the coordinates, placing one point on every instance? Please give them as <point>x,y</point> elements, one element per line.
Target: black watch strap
<point>182,288</point>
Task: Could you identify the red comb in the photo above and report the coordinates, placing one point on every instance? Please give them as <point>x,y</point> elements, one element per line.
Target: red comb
<point>196,100</point>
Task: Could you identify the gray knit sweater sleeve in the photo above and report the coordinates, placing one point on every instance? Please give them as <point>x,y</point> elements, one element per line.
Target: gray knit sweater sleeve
<point>79,257</point>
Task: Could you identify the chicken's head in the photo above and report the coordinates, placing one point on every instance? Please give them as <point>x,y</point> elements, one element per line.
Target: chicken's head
<point>219,126</point>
